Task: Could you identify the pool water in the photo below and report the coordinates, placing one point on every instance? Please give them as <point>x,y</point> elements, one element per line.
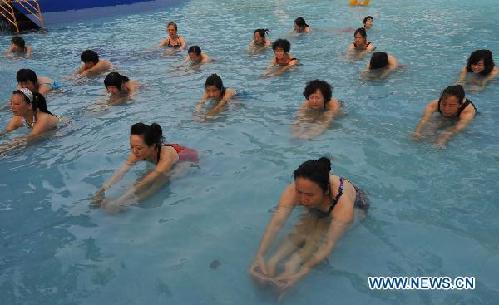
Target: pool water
<point>433,212</point>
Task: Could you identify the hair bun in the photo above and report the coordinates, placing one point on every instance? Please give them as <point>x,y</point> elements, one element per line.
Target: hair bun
<point>325,162</point>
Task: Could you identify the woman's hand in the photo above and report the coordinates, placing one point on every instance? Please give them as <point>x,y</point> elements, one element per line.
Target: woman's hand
<point>258,270</point>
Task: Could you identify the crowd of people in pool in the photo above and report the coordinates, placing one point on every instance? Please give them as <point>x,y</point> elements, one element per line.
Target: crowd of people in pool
<point>330,200</point>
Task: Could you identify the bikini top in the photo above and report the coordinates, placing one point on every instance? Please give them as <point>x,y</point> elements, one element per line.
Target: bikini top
<point>177,45</point>
<point>321,214</point>
<point>177,148</point>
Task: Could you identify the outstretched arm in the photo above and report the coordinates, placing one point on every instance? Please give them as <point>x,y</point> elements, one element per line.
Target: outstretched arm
<point>446,135</point>
<point>462,76</point>
<point>117,176</point>
<point>430,108</point>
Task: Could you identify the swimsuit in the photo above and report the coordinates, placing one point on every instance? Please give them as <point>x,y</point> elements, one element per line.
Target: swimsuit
<point>184,153</point>
<point>461,109</point>
<point>175,46</point>
<point>361,201</point>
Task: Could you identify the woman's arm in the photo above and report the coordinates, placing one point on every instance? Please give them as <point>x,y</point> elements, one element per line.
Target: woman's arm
<point>462,76</point>
<point>183,44</point>
<point>429,109</point>
<point>117,176</point>
<point>464,120</point>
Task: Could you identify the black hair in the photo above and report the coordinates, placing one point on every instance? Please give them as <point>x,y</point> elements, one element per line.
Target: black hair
<point>38,104</point>
<point>316,171</point>
<point>19,42</point>
<point>25,75</point>
<point>456,91</point>
<point>378,60</point>
<point>361,31</point>
<point>261,32</point>
<point>367,18</point>
<point>172,23</point>
<point>478,55</point>
<point>89,56</point>
<point>194,49</point>
<point>300,21</point>
<point>323,86</point>
<point>281,43</point>
<point>215,80</point>
<point>115,79</point>
<point>153,134</point>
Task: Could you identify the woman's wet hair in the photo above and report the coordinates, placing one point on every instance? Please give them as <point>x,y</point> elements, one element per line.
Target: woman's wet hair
<point>478,55</point>
<point>262,32</point>
<point>300,22</point>
<point>282,44</point>
<point>89,56</point>
<point>215,80</point>
<point>172,23</point>
<point>19,42</point>
<point>316,171</point>
<point>367,18</point>
<point>153,134</point>
<point>323,86</point>
<point>378,60</point>
<point>115,79</point>
<point>361,31</point>
<point>195,49</point>
<point>25,75</point>
<point>37,104</point>
<point>456,91</point>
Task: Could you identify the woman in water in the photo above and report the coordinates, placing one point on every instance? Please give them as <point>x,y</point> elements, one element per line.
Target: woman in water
<point>480,67</point>
<point>92,64</point>
<point>300,26</point>
<point>282,60</point>
<point>146,143</point>
<point>318,110</point>
<point>259,41</point>
<point>380,66</point>
<point>330,201</point>
<point>196,57</point>
<point>28,79</point>
<point>454,108</point>
<point>360,44</point>
<point>174,41</point>
<point>214,90</point>
<point>120,87</point>
<point>18,47</point>
<point>29,109</point>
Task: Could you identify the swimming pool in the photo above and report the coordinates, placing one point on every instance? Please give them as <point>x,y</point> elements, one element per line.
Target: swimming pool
<point>433,212</point>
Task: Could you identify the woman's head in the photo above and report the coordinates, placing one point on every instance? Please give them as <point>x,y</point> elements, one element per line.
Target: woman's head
<point>451,100</point>
<point>114,82</point>
<point>19,44</point>
<point>89,58</point>
<point>480,62</point>
<point>280,47</point>
<point>171,28</point>
<point>144,140</point>
<point>318,93</point>
<point>27,78</point>
<point>259,35</point>
<point>194,53</point>
<point>214,87</point>
<point>368,22</point>
<point>24,101</point>
<point>312,181</point>
<point>378,60</point>
<point>360,36</point>
<point>300,24</point>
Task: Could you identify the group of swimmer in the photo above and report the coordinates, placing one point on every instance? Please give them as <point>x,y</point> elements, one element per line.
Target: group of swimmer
<point>332,201</point>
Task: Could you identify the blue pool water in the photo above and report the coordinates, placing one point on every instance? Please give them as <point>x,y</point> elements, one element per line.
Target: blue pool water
<point>434,213</point>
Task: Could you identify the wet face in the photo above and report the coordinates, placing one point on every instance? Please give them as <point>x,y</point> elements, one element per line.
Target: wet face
<point>478,67</point>
<point>309,193</point>
<point>316,100</point>
<point>449,106</point>
<point>28,85</point>
<point>258,38</point>
<point>171,30</point>
<point>18,105</point>
<point>113,90</point>
<point>368,24</point>
<point>213,92</point>
<point>279,53</point>
<point>359,40</point>
<point>140,149</point>
<point>194,57</point>
<point>88,65</point>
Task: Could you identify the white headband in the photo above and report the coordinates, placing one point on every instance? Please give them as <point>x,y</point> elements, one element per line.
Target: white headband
<point>27,93</point>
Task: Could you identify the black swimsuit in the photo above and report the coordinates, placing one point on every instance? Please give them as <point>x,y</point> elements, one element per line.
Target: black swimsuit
<point>361,201</point>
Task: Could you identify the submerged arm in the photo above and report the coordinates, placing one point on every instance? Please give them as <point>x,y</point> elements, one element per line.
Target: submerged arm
<point>446,135</point>
<point>430,108</point>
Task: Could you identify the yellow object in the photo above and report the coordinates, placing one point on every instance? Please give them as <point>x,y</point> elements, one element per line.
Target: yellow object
<point>359,2</point>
